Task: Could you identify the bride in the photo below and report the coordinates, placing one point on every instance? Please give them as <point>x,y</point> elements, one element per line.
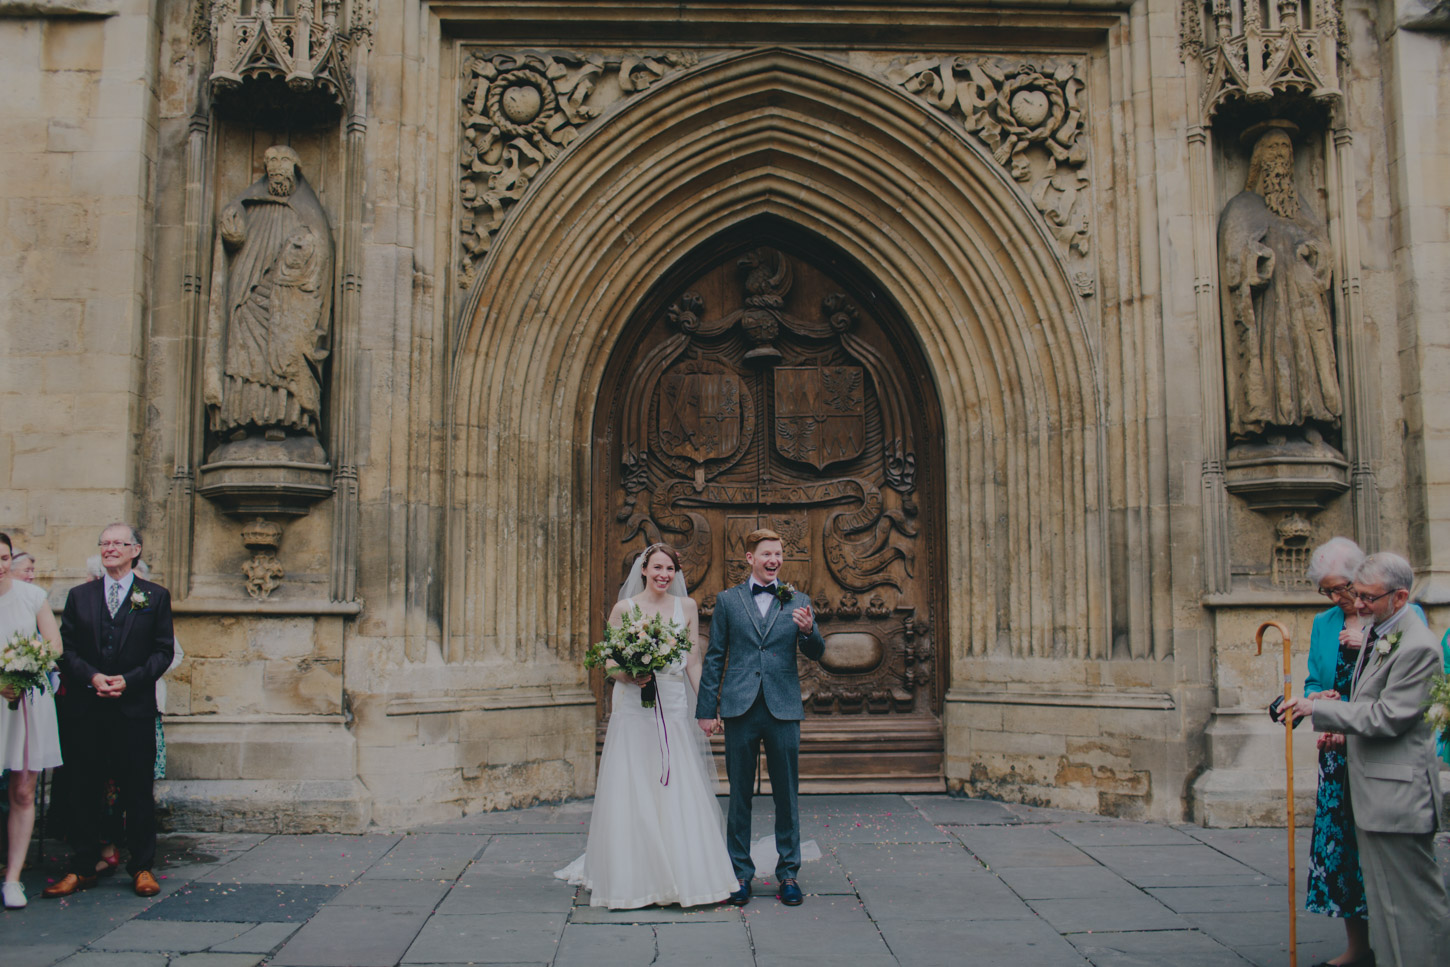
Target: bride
<point>656,835</point>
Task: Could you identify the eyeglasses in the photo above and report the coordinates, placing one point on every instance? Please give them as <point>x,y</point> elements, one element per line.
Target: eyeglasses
<point>1371,598</point>
<point>1340,589</point>
<point>107,545</point>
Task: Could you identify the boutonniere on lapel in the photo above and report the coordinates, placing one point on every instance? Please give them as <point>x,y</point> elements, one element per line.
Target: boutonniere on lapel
<point>783,593</point>
<point>1386,646</point>
<point>140,600</point>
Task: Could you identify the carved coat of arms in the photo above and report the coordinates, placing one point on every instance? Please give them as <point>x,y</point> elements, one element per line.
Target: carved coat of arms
<point>820,413</point>
<point>699,417</point>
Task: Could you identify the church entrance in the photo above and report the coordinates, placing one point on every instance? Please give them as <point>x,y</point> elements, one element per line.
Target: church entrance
<point>767,381</point>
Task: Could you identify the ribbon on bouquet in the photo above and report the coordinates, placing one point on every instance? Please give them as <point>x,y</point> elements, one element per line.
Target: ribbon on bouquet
<point>662,736</point>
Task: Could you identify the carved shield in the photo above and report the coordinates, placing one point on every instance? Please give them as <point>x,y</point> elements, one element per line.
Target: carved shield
<point>699,416</point>
<point>820,413</point>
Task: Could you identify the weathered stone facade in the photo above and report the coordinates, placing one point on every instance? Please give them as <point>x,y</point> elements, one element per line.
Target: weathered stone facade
<point>388,627</point>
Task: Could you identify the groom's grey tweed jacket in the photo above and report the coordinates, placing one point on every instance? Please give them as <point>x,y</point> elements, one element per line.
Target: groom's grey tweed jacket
<point>762,656</point>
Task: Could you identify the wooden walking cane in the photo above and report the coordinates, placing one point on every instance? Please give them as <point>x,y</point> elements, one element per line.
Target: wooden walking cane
<point>1288,779</point>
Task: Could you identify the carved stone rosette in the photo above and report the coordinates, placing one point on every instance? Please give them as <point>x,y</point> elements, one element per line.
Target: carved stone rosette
<point>520,109</point>
<point>1255,52</point>
<point>1031,117</point>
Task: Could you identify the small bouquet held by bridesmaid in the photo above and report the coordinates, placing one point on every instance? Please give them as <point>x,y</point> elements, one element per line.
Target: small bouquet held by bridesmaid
<point>25,662</point>
<point>1437,711</point>
<point>641,646</point>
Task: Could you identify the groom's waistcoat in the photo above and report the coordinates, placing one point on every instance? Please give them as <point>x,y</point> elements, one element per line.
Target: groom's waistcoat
<point>762,656</point>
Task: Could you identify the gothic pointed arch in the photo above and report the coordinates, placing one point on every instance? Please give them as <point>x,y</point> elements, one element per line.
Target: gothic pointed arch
<point>796,136</point>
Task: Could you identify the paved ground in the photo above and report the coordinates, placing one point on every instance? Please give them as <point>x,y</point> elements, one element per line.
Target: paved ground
<point>905,880</point>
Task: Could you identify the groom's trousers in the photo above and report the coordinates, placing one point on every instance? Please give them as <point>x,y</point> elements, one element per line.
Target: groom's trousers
<point>744,735</point>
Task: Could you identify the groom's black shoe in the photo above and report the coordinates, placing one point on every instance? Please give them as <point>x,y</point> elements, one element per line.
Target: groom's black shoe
<point>741,896</point>
<point>790,893</point>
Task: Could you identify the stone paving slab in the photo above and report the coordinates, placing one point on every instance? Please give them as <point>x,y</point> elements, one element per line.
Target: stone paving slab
<point>1265,850</point>
<point>141,935</point>
<point>924,858</point>
<point>1265,897</point>
<point>532,853</point>
<point>944,896</point>
<point>1066,882</point>
<point>352,937</point>
<point>261,939</point>
<point>1084,835</point>
<point>1002,884</point>
<point>1155,948</point>
<point>96,958</point>
<point>704,945</point>
<point>983,943</point>
<point>243,902</point>
<point>943,811</point>
<point>1108,913</point>
<point>318,858</point>
<point>1174,865</point>
<point>495,892</point>
<point>513,938</point>
<point>393,894</point>
<point>606,945</point>
<point>1020,846</point>
<point>718,913</point>
<point>424,856</point>
<point>36,955</point>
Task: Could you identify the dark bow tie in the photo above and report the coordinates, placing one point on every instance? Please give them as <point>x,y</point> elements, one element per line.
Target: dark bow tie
<point>762,588</point>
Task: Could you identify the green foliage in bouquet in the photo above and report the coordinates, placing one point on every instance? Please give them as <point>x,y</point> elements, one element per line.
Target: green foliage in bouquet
<point>641,645</point>
<point>24,663</point>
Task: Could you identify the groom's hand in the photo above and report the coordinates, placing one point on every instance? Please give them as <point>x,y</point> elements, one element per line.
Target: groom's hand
<point>707,726</point>
<point>803,618</point>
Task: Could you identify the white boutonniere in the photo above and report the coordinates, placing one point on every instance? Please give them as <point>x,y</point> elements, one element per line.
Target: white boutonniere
<point>139,600</point>
<point>1386,646</point>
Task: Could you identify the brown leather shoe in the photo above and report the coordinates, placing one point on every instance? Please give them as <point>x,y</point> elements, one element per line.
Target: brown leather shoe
<point>67,885</point>
<point>146,884</point>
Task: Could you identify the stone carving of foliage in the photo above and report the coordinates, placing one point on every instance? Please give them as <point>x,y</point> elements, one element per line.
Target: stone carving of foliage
<point>520,110</point>
<point>1030,116</point>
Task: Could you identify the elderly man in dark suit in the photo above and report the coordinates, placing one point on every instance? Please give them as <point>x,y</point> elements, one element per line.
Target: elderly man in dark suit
<point>117,640</point>
<point>1394,776</point>
<point>750,677</point>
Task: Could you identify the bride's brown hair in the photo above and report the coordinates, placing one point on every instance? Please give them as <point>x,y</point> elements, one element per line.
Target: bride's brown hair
<point>661,548</point>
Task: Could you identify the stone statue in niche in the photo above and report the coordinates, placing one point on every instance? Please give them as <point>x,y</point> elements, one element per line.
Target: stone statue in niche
<point>270,315</point>
<point>1275,271</point>
<point>1275,267</point>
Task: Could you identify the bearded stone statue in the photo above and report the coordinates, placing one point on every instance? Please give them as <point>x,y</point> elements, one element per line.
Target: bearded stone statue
<point>1275,267</point>
<point>270,310</point>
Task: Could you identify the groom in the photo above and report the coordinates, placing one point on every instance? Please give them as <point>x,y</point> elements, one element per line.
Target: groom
<point>749,678</point>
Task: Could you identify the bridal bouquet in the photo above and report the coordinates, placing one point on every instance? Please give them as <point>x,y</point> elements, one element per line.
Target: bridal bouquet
<point>1438,712</point>
<point>641,646</point>
<point>24,662</point>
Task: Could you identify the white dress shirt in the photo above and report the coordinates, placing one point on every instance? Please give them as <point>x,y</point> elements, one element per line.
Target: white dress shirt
<point>125,584</point>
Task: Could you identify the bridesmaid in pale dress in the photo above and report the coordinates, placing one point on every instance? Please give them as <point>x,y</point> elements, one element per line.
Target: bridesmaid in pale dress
<point>29,737</point>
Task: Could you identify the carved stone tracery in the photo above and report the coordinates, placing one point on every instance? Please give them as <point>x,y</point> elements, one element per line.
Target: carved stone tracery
<point>1253,53</point>
<point>520,109</point>
<point>1031,117</point>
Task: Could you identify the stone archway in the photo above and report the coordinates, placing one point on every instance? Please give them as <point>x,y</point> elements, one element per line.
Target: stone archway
<point>775,386</point>
<point>953,244</point>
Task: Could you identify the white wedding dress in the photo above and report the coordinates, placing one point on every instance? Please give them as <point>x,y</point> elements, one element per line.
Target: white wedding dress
<point>652,842</point>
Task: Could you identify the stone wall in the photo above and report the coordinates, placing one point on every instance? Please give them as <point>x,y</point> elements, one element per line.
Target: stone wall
<point>420,658</point>
<point>77,169</point>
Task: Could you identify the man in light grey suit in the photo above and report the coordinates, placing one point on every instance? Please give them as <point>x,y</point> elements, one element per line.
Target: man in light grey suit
<point>749,678</point>
<point>1394,777</point>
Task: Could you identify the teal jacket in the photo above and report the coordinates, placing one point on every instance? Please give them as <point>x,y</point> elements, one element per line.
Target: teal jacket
<point>1324,649</point>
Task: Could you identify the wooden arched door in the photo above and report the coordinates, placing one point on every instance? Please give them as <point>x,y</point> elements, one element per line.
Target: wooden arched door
<point>767,383</point>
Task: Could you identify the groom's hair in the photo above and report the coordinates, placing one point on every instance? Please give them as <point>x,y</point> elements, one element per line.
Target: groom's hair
<point>753,539</point>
